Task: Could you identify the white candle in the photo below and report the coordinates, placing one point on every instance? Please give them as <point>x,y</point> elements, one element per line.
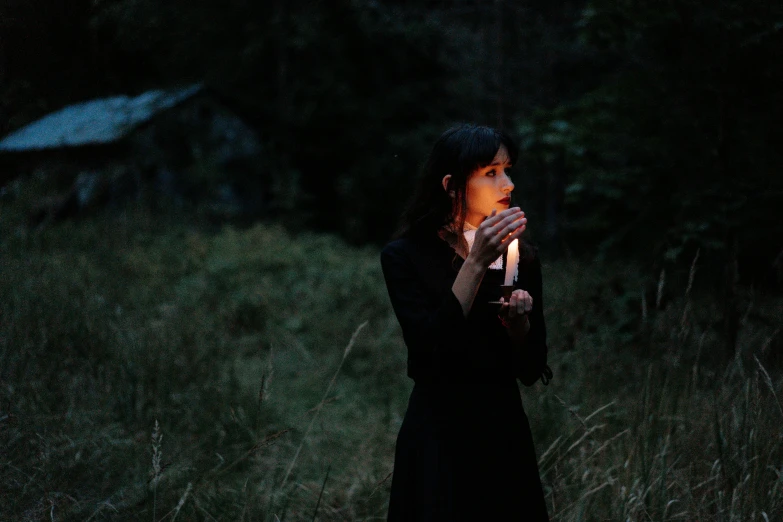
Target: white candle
<point>512,263</point>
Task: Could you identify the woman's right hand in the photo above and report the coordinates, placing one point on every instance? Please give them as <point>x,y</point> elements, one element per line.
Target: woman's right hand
<point>496,233</point>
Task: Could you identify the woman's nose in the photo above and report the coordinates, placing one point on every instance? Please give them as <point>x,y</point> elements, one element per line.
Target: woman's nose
<point>508,185</point>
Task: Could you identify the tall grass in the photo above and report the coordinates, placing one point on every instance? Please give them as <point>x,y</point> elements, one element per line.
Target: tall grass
<point>235,341</point>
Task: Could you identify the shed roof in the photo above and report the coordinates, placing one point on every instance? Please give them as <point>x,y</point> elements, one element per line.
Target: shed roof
<point>94,122</point>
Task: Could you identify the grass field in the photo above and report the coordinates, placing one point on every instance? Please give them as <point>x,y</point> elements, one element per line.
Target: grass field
<point>156,370</point>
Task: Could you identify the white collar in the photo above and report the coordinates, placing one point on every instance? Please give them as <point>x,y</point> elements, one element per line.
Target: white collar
<point>469,231</point>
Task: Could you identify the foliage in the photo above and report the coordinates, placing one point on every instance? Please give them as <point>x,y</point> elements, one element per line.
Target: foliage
<point>344,92</point>
<point>671,153</point>
<point>225,339</point>
<point>228,338</point>
<point>648,127</point>
<point>649,133</point>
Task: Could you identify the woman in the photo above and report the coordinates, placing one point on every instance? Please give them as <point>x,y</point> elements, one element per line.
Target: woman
<point>464,451</point>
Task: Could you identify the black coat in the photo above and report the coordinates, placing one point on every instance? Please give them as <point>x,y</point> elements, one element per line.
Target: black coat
<point>464,451</point>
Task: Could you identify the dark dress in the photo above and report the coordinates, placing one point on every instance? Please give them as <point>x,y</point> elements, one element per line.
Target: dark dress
<point>464,451</point>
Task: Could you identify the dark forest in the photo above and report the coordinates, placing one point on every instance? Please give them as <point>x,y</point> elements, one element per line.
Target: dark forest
<point>193,322</point>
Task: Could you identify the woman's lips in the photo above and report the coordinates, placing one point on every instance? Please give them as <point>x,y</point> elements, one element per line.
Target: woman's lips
<point>505,201</point>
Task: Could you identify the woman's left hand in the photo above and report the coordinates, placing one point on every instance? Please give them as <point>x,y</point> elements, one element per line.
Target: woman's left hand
<point>514,314</point>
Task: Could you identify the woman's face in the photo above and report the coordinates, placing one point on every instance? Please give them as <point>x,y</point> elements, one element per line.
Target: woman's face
<point>489,188</point>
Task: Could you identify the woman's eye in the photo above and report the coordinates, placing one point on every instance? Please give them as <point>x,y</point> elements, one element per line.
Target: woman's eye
<point>491,173</point>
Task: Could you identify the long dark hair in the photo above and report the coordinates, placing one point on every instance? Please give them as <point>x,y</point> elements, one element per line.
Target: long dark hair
<point>459,151</point>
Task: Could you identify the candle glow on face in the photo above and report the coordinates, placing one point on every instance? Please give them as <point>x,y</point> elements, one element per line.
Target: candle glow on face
<point>512,263</point>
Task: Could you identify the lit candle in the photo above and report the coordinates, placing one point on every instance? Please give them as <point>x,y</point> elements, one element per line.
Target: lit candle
<point>512,263</point>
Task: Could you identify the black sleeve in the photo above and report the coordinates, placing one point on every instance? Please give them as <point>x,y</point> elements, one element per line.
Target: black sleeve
<point>434,327</point>
<point>531,362</point>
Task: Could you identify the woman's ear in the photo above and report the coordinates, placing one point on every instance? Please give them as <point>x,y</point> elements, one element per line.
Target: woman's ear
<point>446,182</point>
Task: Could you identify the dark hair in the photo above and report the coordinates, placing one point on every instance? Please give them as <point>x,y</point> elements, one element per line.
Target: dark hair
<point>459,151</point>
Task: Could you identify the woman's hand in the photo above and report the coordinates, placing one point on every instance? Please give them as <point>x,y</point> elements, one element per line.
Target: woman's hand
<point>496,233</point>
<point>514,313</point>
